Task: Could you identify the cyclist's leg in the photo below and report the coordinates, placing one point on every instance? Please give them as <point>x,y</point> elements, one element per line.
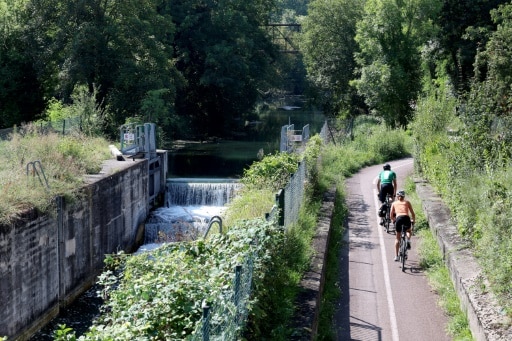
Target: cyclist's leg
<point>408,232</point>
<point>382,194</point>
<point>382,199</point>
<point>398,231</point>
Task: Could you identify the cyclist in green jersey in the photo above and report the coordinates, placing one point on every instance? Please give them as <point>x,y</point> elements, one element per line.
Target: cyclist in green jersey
<point>386,184</point>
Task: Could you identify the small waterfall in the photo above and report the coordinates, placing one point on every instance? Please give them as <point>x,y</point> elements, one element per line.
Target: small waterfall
<point>189,206</point>
<point>209,192</point>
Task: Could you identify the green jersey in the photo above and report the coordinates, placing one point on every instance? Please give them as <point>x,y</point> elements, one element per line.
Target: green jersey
<point>387,177</point>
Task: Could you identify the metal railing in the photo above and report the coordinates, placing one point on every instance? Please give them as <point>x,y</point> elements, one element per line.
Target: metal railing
<point>35,168</point>
<point>291,139</point>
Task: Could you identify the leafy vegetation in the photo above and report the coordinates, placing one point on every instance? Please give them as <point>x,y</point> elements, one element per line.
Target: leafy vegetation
<point>179,64</point>
<point>273,170</point>
<point>37,167</point>
<point>469,163</point>
<point>331,67</point>
<point>159,294</point>
<point>335,168</point>
<point>440,69</point>
<point>450,86</point>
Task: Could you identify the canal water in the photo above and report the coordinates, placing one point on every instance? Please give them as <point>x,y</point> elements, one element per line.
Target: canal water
<point>223,158</point>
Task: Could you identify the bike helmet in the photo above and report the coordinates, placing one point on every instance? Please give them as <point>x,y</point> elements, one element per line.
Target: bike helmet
<point>401,193</point>
<point>387,166</point>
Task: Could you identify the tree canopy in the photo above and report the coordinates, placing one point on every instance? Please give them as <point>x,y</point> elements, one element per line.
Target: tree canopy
<point>169,61</point>
<point>390,36</point>
<point>203,64</point>
<point>328,47</point>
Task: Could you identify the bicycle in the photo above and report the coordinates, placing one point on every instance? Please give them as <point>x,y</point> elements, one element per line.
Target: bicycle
<point>387,218</point>
<point>402,248</point>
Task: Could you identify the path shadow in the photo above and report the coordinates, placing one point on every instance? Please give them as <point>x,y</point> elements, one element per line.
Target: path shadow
<point>364,331</point>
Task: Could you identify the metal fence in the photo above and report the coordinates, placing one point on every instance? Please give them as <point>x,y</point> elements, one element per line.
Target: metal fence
<point>289,199</point>
<point>225,319</point>
<point>64,127</point>
<point>293,140</point>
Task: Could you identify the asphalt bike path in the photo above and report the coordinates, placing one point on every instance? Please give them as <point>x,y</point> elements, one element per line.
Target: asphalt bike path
<point>380,302</point>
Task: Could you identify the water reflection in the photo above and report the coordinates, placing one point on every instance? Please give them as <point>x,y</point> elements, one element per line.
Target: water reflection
<point>228,157</point>
<point>78,316</point>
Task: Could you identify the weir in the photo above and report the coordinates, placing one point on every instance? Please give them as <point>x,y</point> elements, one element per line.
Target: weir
<point>190,203</point>
<point>192,191</point>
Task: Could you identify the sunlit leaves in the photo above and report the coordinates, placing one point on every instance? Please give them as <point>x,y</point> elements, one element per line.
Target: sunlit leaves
<point>328,47</point>
<point>158,294</point>
<point>390,36</point>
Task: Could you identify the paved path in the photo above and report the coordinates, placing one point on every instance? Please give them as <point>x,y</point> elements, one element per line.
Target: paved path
<point>380,302</point>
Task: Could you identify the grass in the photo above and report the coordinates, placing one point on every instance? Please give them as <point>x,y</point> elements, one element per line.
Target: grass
<point>431,259</point>
<point>65,161</point>
<point>36,168</point>
<point>332,290</point>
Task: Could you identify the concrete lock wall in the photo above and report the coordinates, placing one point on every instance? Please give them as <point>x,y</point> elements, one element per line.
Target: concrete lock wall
<point>46,261</point>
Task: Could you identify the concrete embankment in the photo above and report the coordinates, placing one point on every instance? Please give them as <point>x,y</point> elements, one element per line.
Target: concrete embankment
<point>487,319</point>
<point>48,260</point>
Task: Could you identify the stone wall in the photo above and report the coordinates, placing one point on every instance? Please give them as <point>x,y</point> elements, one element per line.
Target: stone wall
<point>46,261</point>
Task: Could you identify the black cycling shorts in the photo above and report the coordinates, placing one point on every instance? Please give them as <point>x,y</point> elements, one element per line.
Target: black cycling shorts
<point>403,220</point>
<point>385,189</point>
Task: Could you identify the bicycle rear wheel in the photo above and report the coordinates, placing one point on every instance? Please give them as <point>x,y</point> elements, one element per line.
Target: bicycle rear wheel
<point>403,252</point>
<point>388,218</point>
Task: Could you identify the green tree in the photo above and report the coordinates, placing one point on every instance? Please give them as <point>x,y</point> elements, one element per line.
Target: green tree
<point>463,24</point>
<point>328,47</point>
<point>122,47</point>
<point>225,55</point>
<point>390,36</point>
<point>488,104</point>
<point>21,97</point>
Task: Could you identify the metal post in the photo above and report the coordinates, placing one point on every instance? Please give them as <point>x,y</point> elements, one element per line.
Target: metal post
<point>238,272</point>
<point>206,322</point>
<point>280,205</point>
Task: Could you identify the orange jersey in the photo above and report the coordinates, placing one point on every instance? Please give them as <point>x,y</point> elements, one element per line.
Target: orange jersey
<point>403,207</point>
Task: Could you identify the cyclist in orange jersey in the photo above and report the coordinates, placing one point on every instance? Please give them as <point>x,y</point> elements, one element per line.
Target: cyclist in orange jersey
<point>400,210</point>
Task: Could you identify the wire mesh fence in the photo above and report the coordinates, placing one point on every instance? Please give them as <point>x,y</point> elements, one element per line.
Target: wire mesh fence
<point>294,195</point>
<point>64,127</point>
<point>225,318</point>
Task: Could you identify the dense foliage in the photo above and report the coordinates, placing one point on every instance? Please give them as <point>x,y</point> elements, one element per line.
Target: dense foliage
<point>332,25</point>
<point>174,63</point>
<point>159,294</point>
<point>441,68</point>
<point>464,149</point>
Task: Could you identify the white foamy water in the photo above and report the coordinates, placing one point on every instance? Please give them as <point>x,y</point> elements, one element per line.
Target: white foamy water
<point>190,205</point>
<point>179,223</point>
